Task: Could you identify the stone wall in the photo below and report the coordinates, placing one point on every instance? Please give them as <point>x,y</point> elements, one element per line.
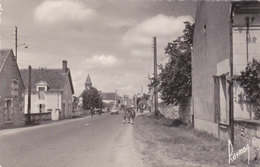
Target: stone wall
<point>37,117</point>
<point>248,132</point>
<point>183,111</point>
<point>10,72</point>
<point>169,111</point>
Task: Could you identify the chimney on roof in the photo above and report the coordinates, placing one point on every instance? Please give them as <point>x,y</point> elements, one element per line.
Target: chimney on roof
<point>64,66</point>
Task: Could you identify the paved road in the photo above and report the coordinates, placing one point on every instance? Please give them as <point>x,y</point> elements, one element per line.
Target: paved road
<point>91,141</point>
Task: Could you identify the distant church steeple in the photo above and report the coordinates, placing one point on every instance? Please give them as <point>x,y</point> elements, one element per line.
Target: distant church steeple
<point>88,83</point>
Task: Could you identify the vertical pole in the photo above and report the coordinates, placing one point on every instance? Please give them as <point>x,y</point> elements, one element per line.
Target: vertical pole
<point>16,43</point>
<point>116,99</point>
<point>155,76</point>
<point>136,102</point>
<point>0,24</point>
<point>29,95</point>
<point>247,34</point>
<point>231,96</point>
<point>152,105</point>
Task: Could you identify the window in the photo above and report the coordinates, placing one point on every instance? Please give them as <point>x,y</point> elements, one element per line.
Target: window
<point>221,98</point>
<point>14,88</point>
<point>41,108</point>
<point>8,110</point>
<point>41,92</point>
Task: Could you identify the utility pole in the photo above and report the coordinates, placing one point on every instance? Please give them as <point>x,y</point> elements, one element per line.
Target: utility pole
<point>16,42</point>
<point>155,77</point>
<point>116,99</point>
<point>1,9</point>
<point>29,95</point>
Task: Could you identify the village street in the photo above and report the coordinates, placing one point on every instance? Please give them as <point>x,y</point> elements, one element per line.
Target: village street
<point>98,141</point>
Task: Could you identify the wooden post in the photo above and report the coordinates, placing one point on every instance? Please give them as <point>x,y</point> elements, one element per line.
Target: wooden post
<point>29,95</point>
<point>155,77</point>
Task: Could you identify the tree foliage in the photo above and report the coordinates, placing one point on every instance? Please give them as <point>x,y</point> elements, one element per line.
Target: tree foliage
<point>175,76</point>
<point>91,98</point>
<point>142,100</point>
<point>249,81</point>
<point>144,97</point>
<point>75,103</point>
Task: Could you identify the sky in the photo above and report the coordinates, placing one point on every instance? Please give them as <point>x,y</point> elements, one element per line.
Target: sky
<point>111,40</point>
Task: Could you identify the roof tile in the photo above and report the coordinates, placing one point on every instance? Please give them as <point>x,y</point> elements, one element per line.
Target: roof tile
<point>4,53</point>
<point>53,77</point>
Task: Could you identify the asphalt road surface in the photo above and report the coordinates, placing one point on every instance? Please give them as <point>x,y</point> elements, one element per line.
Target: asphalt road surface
<point>99,141</point>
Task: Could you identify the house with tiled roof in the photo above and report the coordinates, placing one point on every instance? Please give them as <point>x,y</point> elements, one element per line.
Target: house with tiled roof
<point>51,91</point>
<point>11,91</point>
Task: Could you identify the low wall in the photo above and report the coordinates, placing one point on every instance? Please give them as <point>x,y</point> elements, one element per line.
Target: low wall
<point>183,111</point>
<point>248,132</point>
<point>38,117</point>
<point>19,119</point>
<point>169,111</point>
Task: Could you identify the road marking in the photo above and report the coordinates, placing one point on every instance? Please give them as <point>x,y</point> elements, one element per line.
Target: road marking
<point>88,124</point>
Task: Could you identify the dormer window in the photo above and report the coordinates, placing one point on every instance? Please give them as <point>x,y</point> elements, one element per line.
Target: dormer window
<point>41,88</point>
<point>41,93</point>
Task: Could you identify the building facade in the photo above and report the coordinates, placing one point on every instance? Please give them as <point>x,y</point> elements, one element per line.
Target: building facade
<point>51,91</point>
<point>11,91</point>
<point>223,45</point>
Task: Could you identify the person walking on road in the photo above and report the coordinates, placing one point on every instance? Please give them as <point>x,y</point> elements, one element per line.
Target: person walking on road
<point>132,114</point>
<point>125,115</point>
<point>91,112</point>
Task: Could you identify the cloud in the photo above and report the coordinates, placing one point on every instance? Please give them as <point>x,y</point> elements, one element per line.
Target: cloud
<point>141,53</point>
<point>128,90</point>
<point>161,26</point>
<point>102,61</point>
<point>1,9</point>
<point>119,23</point>
<point>63,13</point>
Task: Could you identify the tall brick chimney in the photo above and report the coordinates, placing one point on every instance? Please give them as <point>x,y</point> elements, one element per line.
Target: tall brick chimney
<point>64,66</point>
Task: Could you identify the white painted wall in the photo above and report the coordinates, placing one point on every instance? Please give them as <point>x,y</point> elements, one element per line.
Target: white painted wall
<point>52,101</point>
<point>240,58</point>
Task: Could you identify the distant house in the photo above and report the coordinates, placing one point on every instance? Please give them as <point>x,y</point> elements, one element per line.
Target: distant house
<point>11,91</point>
<point>110,98</point>
<point>51,91</point>
<point>223,44</point>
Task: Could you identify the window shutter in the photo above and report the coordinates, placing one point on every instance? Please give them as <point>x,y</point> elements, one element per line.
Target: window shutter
<point>216,99</point>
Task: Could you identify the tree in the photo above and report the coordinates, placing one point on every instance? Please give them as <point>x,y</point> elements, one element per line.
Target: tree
<point>144,97</point>
<point>141,101</point>
<point>175,76</point>
<point>75,103</point>
<point>91,98</point>
<point>249,81</point>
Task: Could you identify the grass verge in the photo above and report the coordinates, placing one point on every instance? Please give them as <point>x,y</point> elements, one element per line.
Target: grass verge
<point>166,146</point>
